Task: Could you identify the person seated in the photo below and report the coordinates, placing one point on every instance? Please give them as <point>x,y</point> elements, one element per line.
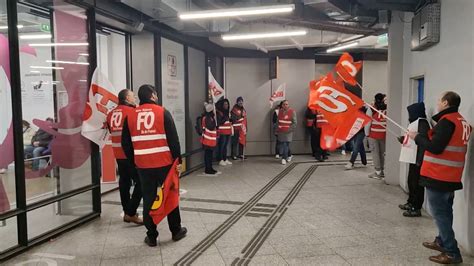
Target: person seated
<point>28,133</point>
<point>39,143</point>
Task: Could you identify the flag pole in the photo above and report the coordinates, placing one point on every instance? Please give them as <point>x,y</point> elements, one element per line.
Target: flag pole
<point>381,113</point>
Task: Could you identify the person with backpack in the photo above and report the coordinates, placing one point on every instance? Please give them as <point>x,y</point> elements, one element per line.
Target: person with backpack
<point>209,138</point>
<point>224,129</point>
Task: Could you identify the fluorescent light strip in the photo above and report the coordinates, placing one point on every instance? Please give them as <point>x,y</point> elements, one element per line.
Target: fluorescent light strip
<point>236,37</point>
<point>46,67</point>
<point>35,37</point>
<point>67,62</point>
<point>6,27</point>
<point>59,44</point>
<point>342,47</point>
<point>237,12</point>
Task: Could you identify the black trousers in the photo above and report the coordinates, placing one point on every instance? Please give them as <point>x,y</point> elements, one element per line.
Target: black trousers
<point>151,180</point>
<point>236,149</point>
<point>316,149</point>
<point>128,173</point>
<point>208,156</point>
<point>416,192</point>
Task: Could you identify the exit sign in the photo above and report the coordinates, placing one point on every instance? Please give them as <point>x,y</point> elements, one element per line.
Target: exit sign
<point>45,28</point>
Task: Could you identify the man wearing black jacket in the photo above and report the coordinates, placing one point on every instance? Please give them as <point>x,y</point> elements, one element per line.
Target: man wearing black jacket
<point>416,192</point>
<point>153,155</point>
<point>441,172</point>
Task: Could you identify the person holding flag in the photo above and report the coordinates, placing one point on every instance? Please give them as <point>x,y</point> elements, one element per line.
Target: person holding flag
<point>377,134</point>
<point>127,171</point>
<point>238,117</point>
<point>149,137</point>
<point>286,125</point>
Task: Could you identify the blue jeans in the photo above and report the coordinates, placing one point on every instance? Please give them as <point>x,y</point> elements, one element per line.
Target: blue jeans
<point>358,147</point>
<point>34,152</point>
<point>222,147</point>
<point>284,149</point>
<point>441,206</point>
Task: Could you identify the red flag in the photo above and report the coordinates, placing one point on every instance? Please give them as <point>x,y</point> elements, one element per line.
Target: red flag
<point>167,196</point>
<point>347,69</point>
<point>335,102</point>
<point>334,137</point>
<point>243,133</point>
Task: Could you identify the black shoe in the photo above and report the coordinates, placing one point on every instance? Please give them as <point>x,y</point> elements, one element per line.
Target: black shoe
<point>319,159</point>
<point>405,207</point>
<point>412,213</point>
<point>325,157</point>
<point>243,157</point>
<point>181,234</point>
<point>150,242</point>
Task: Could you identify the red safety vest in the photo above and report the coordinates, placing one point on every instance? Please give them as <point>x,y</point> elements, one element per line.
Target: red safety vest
<point>449,165</point>
<point>378,127</point>
<point>226,128</point>
<point>241,114</point>
<point>310,121</point>
<point>147,129</point>
<point>115,120</point>
<point>321,120</point>
<point>285,120</point>
<point>209,137</point>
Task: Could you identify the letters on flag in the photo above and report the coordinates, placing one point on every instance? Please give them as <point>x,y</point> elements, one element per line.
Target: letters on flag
<point>278,95</point>
<point>215,89</point>
<point>167,196</point>
<point>102,98</point>
<point>347,69</point>
<point>334,101</point>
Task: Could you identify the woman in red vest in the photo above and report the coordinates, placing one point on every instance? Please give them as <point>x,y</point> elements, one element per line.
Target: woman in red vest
<point>224,129</point>
<point>286,125</point>
<point>209,138</point>
<point>377,133</point>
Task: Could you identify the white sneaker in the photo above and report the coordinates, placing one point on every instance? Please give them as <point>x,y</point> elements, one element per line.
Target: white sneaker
<point>222,163</point>
<point>228,162</point>
<point>343,152</point>
<point>289,158</point>
<point>277,156</point>
<point>349,166</point>
<point>283,161</point>
<point>218,172</point>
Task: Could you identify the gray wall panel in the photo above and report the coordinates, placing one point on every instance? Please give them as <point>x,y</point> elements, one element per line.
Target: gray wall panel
<point>143,56</point>
<point>197,96</point>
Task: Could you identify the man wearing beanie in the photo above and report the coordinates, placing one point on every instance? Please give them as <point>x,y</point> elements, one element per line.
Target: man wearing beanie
<point>238,117</point>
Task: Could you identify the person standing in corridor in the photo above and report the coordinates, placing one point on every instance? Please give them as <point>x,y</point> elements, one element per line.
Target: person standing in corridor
<point>224,129</point>
<point>377,134</point>
<point>209,138</point>
<point>441,172</point>
<point>126,168</point>
<point>149,136</point>
<point>238,118</point>
<point>286,126</point>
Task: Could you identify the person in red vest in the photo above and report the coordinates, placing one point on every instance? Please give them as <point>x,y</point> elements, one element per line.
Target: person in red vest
<point>314,123</point>
<point>238,115</point>
<point>209,138</point>
<point>149,137</point>
<point>286,126</point>
<point>224,130</point>
<point>126,168</point>
<point>441,172</point>
<point>377,134</point>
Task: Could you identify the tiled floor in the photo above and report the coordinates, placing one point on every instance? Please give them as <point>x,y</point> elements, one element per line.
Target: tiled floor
<point>258,213</point>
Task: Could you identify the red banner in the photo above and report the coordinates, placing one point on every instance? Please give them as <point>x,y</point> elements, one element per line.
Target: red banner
<point>167,196</point>
<point>334,137</point>
<point>347,69</point>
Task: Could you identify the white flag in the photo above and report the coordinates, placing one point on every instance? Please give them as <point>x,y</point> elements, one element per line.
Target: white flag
<point>216,90</point>
<point>409,147</point>
<point>102,99</point>
<point>278,95</point>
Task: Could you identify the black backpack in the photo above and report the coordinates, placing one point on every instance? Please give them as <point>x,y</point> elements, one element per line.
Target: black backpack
<point>198,125</point>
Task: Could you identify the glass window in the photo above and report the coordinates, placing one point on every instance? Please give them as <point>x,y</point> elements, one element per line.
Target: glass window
<point>57,214</point>
<point>7,173</point>
<point>8,233</point>
<point>54,66</point>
